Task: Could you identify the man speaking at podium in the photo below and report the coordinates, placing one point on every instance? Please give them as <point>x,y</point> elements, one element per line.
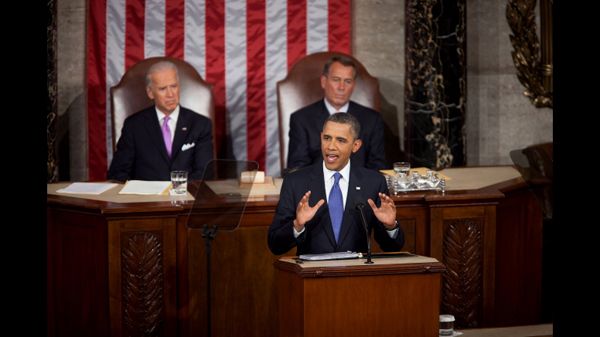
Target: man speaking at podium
<point>303,217</point>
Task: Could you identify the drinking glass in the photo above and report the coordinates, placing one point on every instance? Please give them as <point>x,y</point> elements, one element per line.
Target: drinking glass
<point>402,167</point>
<point>179,182</point>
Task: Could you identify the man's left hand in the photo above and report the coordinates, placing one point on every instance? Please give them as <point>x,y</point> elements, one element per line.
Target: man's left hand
<point>386,213</point>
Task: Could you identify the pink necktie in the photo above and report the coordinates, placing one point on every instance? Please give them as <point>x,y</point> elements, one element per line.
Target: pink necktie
<point>167,134</point>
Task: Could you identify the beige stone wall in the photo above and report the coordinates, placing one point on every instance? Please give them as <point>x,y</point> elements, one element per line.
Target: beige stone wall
<point>499,117</point>
<point>71,80</point>
<point>378,42</point>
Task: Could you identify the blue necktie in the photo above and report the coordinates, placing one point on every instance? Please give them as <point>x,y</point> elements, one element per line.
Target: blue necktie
<point>336,206</point>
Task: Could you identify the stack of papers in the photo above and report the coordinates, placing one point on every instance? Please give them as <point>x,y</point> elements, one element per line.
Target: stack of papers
<point>146,187</point>
<point>330,256</point>
<point>87,188</point>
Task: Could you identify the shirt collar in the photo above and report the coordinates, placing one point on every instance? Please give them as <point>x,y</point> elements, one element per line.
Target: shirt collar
<point>333,110</point>
<point>173,116</point>
<point>345,172</point>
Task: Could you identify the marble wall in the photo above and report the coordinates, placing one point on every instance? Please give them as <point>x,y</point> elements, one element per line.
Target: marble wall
<point>499,117</point>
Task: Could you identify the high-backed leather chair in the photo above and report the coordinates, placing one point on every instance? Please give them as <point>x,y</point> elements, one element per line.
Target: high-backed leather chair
<point>129,95</point>
<point>535,163</point>
<point>302,86</point>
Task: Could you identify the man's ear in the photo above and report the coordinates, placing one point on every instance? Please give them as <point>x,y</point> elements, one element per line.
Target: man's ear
<point>357,144</point>
<point>149,93</point>
<point>323,81</point>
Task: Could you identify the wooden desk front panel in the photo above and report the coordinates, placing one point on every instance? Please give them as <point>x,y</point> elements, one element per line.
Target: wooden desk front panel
<point>77,277</point>
<point>111,276</point>
<point>85,240</point>
<point>244,301</point>
<point>243,277</point>
<point>414,222</point>
<point>519,256</point>
<point>403,305</point>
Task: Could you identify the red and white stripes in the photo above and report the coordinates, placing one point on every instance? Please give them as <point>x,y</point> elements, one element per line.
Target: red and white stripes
<point>241,47</point>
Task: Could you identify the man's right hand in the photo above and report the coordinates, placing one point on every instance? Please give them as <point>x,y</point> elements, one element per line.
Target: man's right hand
<point>304,213</point>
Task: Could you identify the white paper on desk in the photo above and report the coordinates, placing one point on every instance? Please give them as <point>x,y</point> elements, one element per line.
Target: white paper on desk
<point>145,187</point>
<point>232,186</point>
<point>87,188</point>
<point>330,256</point>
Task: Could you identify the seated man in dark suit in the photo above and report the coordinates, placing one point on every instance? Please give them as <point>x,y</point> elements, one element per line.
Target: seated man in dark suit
<point>337,81</point>
<point>335,227</point>
<point>149,148</point>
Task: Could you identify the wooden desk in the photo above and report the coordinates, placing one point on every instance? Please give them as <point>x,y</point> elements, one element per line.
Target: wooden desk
<point>115,268</point>
<point>394,296</point>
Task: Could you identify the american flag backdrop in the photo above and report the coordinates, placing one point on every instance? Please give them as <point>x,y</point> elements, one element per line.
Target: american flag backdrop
<point>242,47</point>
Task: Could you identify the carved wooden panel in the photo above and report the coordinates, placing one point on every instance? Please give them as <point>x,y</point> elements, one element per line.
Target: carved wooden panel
<point>142,283</point>
<point>462,251</point>
<point>464,239</point>
<point>142,277</point>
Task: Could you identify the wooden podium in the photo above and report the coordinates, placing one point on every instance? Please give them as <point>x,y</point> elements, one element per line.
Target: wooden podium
<point>395,296</point>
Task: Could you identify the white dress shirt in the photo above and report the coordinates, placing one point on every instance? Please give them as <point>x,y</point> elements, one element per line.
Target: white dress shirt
<point>333,110</point>
<point>329,180</point>
<point>172,119</point>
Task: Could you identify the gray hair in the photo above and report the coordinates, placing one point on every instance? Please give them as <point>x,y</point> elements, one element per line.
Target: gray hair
<point>345,118</point>
<point>160,66</point>
<point>345,60</point>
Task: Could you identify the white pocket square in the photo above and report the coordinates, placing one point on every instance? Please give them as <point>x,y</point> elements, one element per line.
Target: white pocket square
<point>187,146</point>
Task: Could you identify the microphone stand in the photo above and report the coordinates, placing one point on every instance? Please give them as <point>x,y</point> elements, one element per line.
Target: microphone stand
<point>360,207</point>
<point>209,234</point>
<point>228,219</point>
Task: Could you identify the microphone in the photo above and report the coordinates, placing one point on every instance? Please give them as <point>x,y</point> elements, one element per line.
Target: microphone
<point>360,206</point>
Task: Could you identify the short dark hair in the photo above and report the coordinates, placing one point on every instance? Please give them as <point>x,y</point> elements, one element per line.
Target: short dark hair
<point>345,118</point>
<point>345,60</point>
<point>158,66</point>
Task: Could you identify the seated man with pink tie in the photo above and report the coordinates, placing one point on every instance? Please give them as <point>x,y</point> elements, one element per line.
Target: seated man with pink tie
<point>164,137</point>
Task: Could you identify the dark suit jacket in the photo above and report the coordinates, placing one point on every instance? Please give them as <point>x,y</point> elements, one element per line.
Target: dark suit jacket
<point>306,125</point>
<point>141,152</point>
<point>318,234</point>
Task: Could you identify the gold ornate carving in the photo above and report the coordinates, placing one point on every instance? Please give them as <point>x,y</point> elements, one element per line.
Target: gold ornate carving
<point>142,284</point>
<point>462,284</point>
<point>533,63</point>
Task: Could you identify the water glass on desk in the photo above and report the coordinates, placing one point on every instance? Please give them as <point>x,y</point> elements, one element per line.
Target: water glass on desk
<point>401,167</point>
<point>179,182</point>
